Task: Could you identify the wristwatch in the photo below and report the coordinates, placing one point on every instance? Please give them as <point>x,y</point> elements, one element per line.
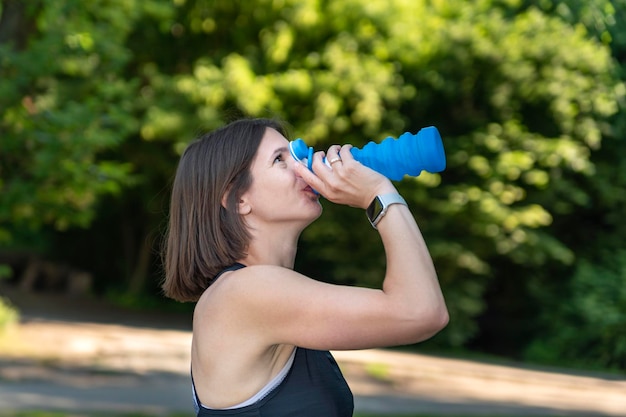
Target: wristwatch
<point>378,208</point>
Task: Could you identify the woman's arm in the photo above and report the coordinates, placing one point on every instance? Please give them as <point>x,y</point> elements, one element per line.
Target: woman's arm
<point>281,306</point>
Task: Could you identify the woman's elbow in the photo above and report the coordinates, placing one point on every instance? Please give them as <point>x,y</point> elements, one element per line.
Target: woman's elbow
<point>441,318</point>
<point>437,318</point>
<point>429,323</point>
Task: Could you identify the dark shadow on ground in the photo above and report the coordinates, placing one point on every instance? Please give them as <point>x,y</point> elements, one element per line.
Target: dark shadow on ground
<point>88,309</point>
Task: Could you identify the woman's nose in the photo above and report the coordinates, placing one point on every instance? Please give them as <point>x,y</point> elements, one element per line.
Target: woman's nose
<point>292,166</point>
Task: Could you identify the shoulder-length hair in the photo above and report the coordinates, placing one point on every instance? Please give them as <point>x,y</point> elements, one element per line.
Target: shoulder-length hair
<point>204,236</point>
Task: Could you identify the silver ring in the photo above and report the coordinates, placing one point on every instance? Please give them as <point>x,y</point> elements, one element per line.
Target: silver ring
<point>335,159</point>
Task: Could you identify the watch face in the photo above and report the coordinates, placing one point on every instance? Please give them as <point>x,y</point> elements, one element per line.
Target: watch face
<point>374,209</point>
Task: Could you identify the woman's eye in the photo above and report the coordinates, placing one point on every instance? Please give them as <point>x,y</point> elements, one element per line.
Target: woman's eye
<point>279,158</point>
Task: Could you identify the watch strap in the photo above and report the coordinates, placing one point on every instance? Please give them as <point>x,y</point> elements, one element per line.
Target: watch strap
<point>378,208</point>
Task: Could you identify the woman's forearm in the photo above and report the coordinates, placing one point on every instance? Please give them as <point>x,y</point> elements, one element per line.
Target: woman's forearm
<point>411,279</point>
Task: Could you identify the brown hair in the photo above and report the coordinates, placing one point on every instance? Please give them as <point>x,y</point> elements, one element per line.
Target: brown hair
<point>204,237</point>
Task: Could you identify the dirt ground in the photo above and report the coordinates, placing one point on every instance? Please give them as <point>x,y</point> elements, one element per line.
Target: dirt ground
<point>78,355</point>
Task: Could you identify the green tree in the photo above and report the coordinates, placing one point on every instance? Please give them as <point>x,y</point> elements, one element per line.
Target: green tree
<point>530,114</point>
<point>522,118</point>
<point>583,310</point>
<point>591,321</point>
<point>63,104</point>
<point>69,115</point>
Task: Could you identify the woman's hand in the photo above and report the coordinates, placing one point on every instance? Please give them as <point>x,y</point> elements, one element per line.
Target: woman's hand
<point>346,180</point>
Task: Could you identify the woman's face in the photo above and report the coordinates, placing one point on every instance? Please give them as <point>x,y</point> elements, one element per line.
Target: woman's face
<point>277,194</point>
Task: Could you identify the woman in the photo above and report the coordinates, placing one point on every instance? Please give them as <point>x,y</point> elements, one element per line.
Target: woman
<point>261,331</point>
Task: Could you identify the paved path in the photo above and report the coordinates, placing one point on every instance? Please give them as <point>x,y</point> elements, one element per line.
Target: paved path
<point>99,359</point>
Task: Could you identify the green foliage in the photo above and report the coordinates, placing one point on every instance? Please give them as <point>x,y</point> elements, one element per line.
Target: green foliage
<point>595,231</point>
<point>591,319</point>
<point>598,17</point>
<point>5,272</point>
<point>99,98</point>
<point>9,315</point>
<point>64,104</point>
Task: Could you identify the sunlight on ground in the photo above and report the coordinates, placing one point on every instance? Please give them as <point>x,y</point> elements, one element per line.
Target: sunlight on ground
<point>104,361</point>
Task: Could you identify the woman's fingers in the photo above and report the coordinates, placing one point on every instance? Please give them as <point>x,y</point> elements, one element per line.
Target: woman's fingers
<point>340,178</point>
<point>332,156</point>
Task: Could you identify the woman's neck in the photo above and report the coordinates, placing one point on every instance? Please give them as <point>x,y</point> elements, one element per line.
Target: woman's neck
<point>272,249</point>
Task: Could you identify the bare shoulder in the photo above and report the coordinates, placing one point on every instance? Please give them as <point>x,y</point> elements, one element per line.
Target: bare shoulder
<point>244,305</point>
<point>262,294</point>
<point>257,278</point>
<point>253,283</point>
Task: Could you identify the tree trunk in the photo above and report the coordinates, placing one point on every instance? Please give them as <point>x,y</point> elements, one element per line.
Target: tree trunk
<point>15,23</point>
<point>140,273</point>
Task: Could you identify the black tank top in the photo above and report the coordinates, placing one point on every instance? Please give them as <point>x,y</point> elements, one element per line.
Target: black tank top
<point>313,387</point>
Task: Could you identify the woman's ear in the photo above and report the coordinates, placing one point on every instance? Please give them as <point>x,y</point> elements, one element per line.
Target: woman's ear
<point>243,207</point>
<point>224,201</point>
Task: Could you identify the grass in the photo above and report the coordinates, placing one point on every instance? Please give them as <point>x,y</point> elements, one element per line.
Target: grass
<point>379,371</point>
<point>9,316</point>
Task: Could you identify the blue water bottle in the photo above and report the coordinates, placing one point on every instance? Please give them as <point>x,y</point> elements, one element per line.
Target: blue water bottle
<point>410,154</point>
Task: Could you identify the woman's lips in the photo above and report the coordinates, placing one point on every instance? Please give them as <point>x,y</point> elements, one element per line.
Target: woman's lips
<point>309,189</point>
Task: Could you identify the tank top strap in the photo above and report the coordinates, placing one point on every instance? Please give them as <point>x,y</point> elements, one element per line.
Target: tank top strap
<point>233,267</point>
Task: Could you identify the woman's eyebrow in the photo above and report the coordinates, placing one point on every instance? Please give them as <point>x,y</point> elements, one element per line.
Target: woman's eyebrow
<point>282,149</point>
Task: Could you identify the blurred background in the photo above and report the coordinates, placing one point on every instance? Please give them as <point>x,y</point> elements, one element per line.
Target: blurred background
<point>526,225</point>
